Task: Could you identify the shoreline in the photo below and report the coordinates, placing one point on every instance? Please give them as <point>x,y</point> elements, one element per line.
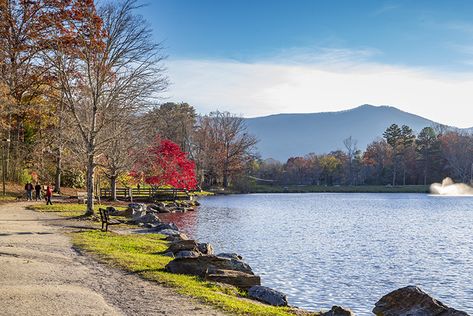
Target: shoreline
<point>328,189</point>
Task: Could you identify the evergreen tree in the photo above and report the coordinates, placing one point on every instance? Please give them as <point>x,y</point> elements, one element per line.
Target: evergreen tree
<point>393,136</point>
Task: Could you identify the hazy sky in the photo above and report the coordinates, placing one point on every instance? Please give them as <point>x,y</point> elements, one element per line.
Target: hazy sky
<point>259,57</point>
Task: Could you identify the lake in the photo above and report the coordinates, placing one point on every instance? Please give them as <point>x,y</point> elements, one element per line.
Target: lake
<point>345,249</point>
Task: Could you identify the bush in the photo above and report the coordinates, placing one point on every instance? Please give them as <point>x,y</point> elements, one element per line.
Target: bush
<point>25,176</point>
<point>73,178</point>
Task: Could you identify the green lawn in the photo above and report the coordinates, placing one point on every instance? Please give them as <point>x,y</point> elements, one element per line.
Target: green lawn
<point>140,254</point>
<point>66,209</point>
<point>7,198</point>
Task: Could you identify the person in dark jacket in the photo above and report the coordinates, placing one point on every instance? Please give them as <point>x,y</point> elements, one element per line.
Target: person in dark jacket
<point>37,189</point>
<point>29,191</point>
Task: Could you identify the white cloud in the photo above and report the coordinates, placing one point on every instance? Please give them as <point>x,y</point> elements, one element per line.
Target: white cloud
<point>328,83</point>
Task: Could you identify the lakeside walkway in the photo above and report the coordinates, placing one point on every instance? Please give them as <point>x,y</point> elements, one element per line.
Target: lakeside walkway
<point>41,274</point>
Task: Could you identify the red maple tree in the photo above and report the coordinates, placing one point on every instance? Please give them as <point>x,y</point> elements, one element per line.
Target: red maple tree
<point>165,164</point>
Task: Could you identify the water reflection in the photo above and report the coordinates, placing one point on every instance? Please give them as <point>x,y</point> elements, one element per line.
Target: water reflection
<point>187,222</point>
<point>346,249</point>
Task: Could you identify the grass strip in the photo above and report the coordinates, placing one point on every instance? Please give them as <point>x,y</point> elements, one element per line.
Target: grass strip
<point>67,209</point>
<point>141,254</point>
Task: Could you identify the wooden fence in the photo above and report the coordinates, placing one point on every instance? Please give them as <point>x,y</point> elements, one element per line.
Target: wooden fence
<point>147,194</point>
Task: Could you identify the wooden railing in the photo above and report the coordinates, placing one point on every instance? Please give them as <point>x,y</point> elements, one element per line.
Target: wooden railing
<point>149,194</point>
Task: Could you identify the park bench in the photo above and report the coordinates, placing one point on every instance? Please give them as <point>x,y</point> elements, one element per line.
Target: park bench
<point>105,219</point>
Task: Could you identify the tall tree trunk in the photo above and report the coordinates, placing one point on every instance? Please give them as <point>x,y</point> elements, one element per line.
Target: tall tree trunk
<point>57,185</point>
<point>113,187</point>
<point>16,166</point>
<point>225,177</point>
<point>7,159</point>
<point>90,183</point>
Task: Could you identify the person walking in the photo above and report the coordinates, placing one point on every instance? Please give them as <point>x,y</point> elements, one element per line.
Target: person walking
<point>37,189</point>
<point>29,191</point>
<point>49,194</point>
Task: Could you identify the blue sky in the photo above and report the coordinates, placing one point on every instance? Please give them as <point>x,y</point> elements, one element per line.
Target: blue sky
<point>261,54</point>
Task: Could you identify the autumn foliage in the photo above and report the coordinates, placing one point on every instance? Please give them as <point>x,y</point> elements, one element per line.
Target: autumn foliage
<point>165,164</point>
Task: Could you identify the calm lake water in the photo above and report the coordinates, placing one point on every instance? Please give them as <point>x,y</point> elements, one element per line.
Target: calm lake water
<point>345,249</point>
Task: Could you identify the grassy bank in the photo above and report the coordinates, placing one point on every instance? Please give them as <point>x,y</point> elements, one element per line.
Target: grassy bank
<point>260,188</point>
<point>67,209</point>
<point>141,254</point>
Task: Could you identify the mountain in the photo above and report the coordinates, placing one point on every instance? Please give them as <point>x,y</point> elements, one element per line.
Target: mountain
<point>286,135</point>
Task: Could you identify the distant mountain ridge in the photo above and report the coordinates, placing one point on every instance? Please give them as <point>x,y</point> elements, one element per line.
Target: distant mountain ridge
<point>286,135</point>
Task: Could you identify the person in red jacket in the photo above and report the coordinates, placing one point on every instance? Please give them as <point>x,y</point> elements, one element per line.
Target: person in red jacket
<point>49,194</point>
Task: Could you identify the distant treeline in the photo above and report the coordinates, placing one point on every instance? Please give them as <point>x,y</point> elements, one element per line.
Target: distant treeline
<point>398,158</point>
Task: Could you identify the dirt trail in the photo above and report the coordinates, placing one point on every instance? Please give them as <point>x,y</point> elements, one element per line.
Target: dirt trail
<point>41,274</point>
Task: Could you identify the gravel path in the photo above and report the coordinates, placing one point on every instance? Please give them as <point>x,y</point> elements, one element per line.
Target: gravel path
<point>41,274</point>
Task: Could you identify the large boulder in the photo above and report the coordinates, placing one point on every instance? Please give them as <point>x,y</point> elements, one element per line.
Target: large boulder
<point>137,214</point>
<point>164,210</point>
<point>338,311</point>
<point>169,232</point>
<point>152,208</point>
<point>148,218</point>
<point>137,210</point>
<point>206,248</point>
<point>189,245</point>
<point>266,295</point>
<point>230,255</point>
<point>200,265</point>
<point>136,205</point>
<point>113,211</point>
<point>187,254</point>
<point>239,279</point>
<point>412,301</point>
<point>167,226</point>
<point>179,237</point>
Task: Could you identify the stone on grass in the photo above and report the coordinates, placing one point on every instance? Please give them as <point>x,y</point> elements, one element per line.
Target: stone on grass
<point>136,205</point>
<point>187,254</point>
<point>205,248</point>
<point>150,225</point>
<point>169,232</point>
<point>190,245</point>
<point>162,226</point>
<point>179,237</point>
<point>134,208</point>
<point>148,218</point>
<point>152,208</point>
<point>266,295</point>
<point>200,265</point>
<point>164,209</point>
<point>412,301</point>
<point>113,211</point>
<point>168,254</point>
<point>338,311</point>
<point>239,279</point>
<point>137,214</point>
